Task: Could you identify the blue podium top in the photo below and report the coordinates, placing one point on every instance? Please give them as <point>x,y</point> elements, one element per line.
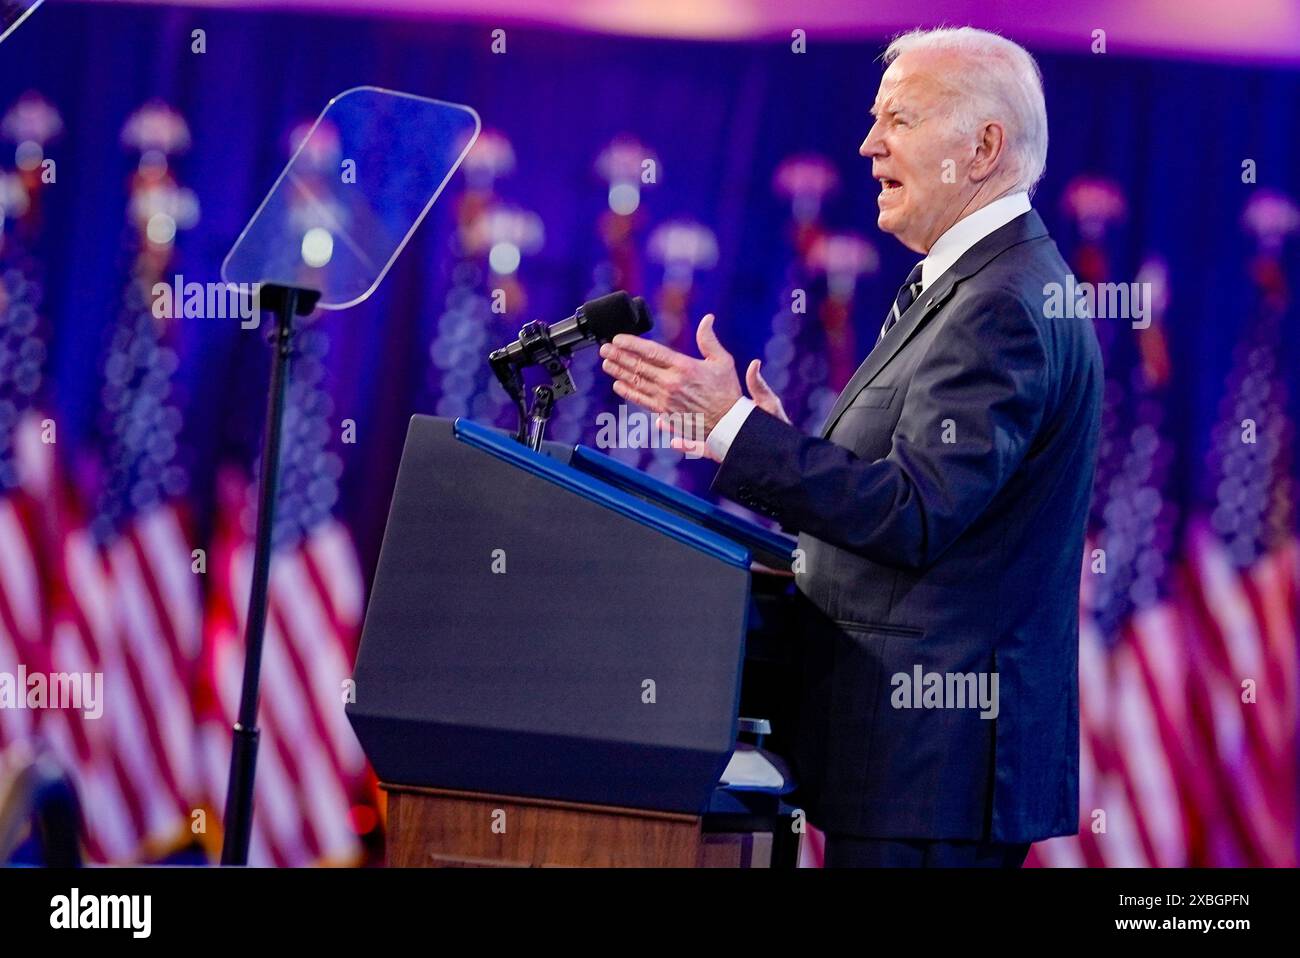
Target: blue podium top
<point>606,494</point>
<point>755,538</point>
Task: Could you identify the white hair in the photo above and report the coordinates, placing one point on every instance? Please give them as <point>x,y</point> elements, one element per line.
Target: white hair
<point>999,80</point>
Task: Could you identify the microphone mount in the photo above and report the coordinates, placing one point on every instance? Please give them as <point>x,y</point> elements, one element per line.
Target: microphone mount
<point>535,337</point>
<point>538,349</point>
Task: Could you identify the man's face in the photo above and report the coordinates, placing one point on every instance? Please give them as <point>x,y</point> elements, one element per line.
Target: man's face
<point>908,145</point>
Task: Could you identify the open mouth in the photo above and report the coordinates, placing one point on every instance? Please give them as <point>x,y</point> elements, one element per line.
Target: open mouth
<point>887,185</point>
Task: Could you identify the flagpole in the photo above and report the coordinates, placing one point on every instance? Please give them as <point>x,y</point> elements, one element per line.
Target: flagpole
<point>284,303</point>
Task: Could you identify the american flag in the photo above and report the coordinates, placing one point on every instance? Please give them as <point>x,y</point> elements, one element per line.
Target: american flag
<point>1245,577</point>
<point>32,632</point>
<point>41,631</point>
<point>22,351</point>
<point>1188,702</point>
<point>117,608</point>
<point>131,599</point>
<point>1131,724</point>
<point>314,792</point>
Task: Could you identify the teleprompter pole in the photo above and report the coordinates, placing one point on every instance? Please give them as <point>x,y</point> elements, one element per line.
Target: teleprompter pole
<point>285,303</point>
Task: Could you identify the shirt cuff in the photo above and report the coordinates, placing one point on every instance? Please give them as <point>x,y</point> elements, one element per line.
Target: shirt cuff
<point>724,433</point>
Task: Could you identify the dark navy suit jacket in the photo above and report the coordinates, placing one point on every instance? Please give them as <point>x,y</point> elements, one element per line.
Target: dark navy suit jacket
<point>941,516</point>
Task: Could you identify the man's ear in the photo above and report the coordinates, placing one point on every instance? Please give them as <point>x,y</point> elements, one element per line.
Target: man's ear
<point>990,140</point>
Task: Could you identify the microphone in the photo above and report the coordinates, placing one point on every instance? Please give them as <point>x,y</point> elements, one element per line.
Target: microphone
<point>550,347</point>
<point>597,321</point>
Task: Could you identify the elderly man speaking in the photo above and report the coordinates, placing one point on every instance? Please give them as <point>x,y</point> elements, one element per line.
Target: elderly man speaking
<point>941,511</point>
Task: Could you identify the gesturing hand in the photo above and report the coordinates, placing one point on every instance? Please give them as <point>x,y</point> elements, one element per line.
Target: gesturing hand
<point>666,381</point>
<point>762,394</point>
<point>696,393</point>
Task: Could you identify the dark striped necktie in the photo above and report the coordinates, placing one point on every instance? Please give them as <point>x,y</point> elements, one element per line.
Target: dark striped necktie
<point>905,298</point>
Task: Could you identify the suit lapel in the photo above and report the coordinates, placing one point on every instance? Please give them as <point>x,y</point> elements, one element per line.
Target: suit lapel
<point>886,348</point>
<point>1023,228</point>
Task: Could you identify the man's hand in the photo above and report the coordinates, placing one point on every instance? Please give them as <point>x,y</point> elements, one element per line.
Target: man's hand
<point>762,394</point>
<point>666,381</point>
<point>686,392</point>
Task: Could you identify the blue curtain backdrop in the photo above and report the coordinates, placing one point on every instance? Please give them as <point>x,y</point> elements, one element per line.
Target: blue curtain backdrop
<point>720,117</point>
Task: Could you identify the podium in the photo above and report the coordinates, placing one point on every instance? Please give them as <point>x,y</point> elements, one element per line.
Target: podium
<point>550,669</point>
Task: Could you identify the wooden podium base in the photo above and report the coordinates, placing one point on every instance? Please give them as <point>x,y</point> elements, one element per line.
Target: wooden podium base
<point>439,828</point>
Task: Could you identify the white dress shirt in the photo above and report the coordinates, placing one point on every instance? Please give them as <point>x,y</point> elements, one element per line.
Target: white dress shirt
<point>947,249</point>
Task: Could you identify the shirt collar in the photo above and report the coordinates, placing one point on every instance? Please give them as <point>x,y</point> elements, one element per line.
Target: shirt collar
<point>968,231</point>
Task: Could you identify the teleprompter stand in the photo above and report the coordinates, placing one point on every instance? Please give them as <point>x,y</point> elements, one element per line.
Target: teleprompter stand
<point>285,304</point>
<point>322,241</point>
